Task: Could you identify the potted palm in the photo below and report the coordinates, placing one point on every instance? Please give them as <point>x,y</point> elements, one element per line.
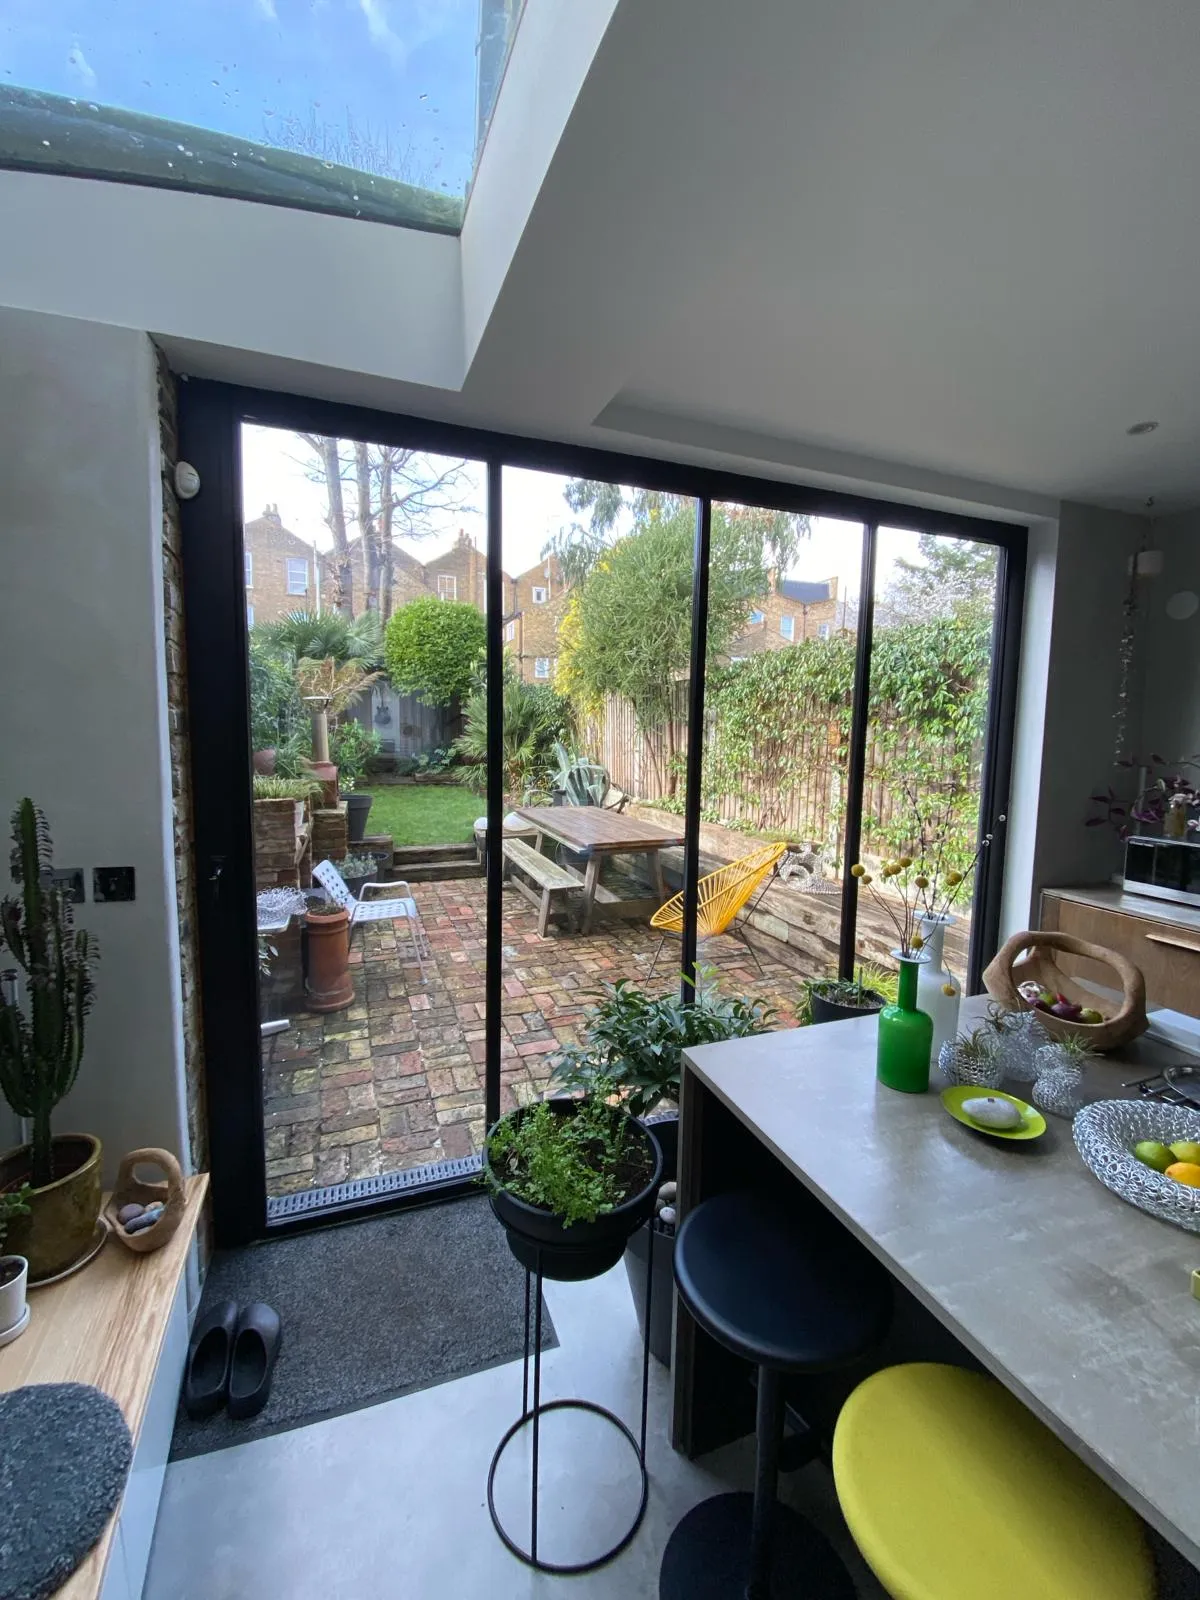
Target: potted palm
<point>635,1040</point>
<point>40,1054</point>
<point>570,1180</point>
<point>14,1269</point>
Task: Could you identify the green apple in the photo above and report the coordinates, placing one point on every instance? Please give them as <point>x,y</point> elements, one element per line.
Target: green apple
<point>1089,1014</point>
<point>1186,1150</point>
<point>1153,1154</point>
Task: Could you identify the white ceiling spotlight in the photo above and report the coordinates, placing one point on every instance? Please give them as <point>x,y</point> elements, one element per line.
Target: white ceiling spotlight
<point>1136,428</point>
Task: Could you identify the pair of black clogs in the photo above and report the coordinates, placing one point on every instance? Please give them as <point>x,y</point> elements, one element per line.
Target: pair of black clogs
<point>231,1360</point>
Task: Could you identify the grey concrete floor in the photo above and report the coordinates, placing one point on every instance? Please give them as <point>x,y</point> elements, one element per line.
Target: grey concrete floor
<point>392,1500</point>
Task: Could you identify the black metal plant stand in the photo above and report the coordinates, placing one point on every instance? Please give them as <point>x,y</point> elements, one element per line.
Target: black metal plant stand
<point>533,1417</point>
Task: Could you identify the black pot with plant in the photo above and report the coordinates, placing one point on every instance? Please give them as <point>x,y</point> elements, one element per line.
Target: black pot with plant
<point>570,1180</point>
<point>40,1052</point>
<point>635,1041</point>
<point>840,999</point>
<point>359,870</point>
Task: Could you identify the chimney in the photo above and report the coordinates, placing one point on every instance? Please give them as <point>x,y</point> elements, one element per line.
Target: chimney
<point>271,514</point>
<point>833,588</point>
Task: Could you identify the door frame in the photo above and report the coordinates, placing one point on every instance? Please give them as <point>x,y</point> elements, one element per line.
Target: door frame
<point>210,415</point>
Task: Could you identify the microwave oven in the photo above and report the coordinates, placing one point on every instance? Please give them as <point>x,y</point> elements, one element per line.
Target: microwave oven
<point>1167,869</point>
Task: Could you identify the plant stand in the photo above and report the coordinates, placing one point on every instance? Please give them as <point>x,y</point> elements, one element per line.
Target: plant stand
<point>532,1417</point>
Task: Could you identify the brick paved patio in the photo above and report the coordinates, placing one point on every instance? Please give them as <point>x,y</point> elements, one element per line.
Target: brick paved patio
<point>397,1080</point>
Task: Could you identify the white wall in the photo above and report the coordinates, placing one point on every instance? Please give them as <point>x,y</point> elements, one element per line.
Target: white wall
<point>1171,707</point>
<point>82,715</point>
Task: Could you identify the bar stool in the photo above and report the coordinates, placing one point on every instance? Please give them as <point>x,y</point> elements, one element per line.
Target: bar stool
<point>954,1491</point>
<point>792,1294</point>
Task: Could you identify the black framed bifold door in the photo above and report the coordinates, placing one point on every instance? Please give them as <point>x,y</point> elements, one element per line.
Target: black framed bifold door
<point>596,718</point>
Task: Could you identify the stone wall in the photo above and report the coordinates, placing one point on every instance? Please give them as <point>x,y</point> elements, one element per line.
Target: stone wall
<point>181,776</point>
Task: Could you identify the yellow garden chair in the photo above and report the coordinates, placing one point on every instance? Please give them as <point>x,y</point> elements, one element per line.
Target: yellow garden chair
<point>722,895</point>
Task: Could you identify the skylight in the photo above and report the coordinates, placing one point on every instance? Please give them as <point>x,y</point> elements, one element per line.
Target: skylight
<point>365,108</point>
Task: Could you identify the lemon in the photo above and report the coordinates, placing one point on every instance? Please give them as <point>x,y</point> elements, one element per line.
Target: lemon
<point>1153,1154</point>
<point>1186,1150</point>
<point>1185,1172</point>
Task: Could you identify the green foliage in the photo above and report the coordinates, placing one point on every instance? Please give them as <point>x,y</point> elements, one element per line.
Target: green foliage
<point>351,746</point>
<point>954,578</point>
<point>40,1054</point>
<point>13,1204</point>
<point>319,635</point>
<point>434,649</point>
<point>536,716</point>
<point>580,780</point>
<point>635,1040</point>
<point>277,713</point>
<point>863,991</point>
<point>358,867</point>
<point>423,813</point>
<point>436,760</point>
<point>273,786</point>
<point>576,1164</point>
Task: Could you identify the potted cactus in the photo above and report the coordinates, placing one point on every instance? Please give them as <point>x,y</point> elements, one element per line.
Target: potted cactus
<point>40,1051</point>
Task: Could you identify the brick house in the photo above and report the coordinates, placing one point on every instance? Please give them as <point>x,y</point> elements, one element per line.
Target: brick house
<point>539,599</point>
<point>459,573</point>
<point>792,609</point>
<point>281,569</point>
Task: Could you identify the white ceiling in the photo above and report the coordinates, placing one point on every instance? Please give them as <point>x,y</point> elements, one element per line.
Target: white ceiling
<point>963,237</point>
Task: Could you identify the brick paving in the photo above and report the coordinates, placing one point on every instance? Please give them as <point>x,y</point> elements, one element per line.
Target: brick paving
<point>396,1081</point>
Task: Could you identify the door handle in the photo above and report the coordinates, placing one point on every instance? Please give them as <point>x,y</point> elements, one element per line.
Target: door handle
<point>216,866</point>
<point>1173,944</point>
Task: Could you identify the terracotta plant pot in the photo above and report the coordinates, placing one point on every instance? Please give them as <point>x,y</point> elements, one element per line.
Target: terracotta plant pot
<point>330,987</point>
<point>62,1215</point>
<point>264,762</point>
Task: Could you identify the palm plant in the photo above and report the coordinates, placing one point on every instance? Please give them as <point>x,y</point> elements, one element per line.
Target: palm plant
<point>337,683</point>
<point>321,634</point>
<point>40,1054</point>
<point>533,720</point>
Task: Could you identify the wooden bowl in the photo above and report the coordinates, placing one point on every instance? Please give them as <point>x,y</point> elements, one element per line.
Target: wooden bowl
<point>1031,955</point>
<point>129,1189</point>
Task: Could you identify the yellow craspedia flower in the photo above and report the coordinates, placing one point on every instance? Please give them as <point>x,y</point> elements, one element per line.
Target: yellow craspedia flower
<point>949,990</point>
<point>865,877</point>
<point>921,881</point>
<point>954,879</point>
<point>906,862</point>
<point>858,870</point>
<point>917,942</point>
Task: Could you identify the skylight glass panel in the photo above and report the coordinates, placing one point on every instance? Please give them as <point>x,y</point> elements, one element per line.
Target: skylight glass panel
<point>366,108</point>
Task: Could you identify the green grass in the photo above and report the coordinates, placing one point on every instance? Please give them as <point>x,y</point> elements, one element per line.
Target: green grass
<point>419,813</point>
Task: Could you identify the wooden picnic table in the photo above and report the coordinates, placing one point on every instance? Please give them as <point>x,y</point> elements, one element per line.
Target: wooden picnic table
<point>596,833</point>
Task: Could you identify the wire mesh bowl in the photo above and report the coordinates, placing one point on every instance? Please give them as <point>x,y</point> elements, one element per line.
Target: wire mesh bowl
<point>1058,1091</point>
<point>1105,1134</point>
<point>1019,1038</point>
<point>959,1063</point>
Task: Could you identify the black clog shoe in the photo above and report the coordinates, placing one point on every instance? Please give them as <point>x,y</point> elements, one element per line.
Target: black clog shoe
<point>206,1376</point>
<point>252,1365</point>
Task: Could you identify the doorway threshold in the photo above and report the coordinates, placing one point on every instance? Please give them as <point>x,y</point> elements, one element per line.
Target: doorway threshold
<point>339,1196</point>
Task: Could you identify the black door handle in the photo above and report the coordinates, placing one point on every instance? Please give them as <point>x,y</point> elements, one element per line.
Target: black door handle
<point>216,868</point>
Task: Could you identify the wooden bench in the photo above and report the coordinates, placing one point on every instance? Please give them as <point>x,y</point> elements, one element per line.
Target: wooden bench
<point>550,878</point>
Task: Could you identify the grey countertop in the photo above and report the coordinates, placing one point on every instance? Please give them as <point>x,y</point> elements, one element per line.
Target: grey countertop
<point>1110,897</point>
<point>1078,1302</point>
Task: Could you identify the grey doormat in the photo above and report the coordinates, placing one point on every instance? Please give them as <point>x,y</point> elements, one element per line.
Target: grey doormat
<point>371,1310</point>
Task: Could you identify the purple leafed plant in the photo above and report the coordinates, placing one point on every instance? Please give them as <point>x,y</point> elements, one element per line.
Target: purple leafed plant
<point>1165,782</point>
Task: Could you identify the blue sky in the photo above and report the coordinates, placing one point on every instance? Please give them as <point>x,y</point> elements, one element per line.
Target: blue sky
<point>397,75</point>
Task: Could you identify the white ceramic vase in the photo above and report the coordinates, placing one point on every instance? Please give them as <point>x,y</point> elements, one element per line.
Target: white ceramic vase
<point>933,980</point>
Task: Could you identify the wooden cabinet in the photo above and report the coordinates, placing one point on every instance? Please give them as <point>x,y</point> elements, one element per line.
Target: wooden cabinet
<point>1166,952</point>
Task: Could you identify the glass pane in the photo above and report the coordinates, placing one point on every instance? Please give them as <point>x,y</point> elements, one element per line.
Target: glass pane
<point>782,624</point>
<point>935,600</point>
<point>368,108</point>
<point>598,620</point>
<point>372,1064</point>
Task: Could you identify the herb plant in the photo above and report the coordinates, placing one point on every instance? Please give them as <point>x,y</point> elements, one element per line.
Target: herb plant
<point>865,991</point>
<point>635,1040</point>
<point>13,1204</point>
<point>577,1164</point>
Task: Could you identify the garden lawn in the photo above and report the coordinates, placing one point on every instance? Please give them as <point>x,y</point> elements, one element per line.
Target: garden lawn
<point>419,813</point>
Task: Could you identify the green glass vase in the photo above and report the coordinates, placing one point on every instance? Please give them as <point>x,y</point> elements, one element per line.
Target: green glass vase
<point>905,1036</point>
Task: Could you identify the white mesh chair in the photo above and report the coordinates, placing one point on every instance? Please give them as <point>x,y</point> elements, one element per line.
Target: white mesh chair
<point>399,908</point>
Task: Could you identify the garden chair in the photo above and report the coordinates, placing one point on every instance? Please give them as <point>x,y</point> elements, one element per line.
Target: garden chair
<point>400,908</point>
<point>723,894</point>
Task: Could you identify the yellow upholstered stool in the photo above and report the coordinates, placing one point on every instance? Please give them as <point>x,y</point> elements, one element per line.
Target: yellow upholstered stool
<point>954,1491</point>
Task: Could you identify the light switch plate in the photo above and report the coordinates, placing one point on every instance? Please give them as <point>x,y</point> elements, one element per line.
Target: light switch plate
<point>69,880</point>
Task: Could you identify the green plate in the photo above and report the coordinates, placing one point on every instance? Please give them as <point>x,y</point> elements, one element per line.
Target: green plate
<point>1033,1123</point>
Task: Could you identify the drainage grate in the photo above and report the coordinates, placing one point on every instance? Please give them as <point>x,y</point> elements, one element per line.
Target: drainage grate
<point>360,1189</point>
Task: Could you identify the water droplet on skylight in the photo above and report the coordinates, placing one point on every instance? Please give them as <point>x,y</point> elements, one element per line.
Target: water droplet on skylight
<point>46,142</point>
<point>170,163</point>
<point>328,164</point>
<point>422,97</point>
<point>179,147</point>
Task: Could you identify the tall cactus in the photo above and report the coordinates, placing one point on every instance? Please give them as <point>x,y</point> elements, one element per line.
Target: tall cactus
<point>40,1053</point>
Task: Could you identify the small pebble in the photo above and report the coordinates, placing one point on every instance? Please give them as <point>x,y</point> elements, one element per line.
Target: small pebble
<point>668,1192</point>
<point>140,1223</point>
<point>667,1216</point>
<point>127,1213</point>
<point>992,1112</point>
<point>154,1209</point>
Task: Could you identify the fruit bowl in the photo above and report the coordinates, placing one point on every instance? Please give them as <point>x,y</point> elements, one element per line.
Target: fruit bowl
<point>1105,1134</point>
<point>1029,958</point>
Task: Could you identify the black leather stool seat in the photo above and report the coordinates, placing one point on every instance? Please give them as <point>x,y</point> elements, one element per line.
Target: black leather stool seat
<point>787,1289</point>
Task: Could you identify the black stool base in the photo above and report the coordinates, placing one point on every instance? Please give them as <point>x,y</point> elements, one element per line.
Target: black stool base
<point>708,1556</point>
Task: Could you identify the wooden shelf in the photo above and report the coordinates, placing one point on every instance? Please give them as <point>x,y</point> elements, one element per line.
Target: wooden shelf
<point>105,1326</point>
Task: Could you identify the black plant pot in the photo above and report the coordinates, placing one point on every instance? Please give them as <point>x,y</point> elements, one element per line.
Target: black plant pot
<point>585,1249</point>
<point>358,807</point>
<point>666,1134</point>
<point>833,1011</point>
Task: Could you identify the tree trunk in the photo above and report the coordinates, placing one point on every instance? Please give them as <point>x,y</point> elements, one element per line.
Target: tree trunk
<point>387,510</point>
<point>366,525</point>
<point>343,569</point>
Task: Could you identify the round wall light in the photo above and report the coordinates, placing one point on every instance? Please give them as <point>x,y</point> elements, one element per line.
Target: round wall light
<point>1136,428</point>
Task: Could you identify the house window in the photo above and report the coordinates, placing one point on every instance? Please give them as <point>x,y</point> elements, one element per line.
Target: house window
<point>510,632</point>
<point>249,560</point>
<point>757,616</point>
<point>249,616</point>
<point>447,586</point>
<point>541,667</point>
<point>539,597</point>
<point>787,627</point>
<point>297,575</point>
<point>822,630</point>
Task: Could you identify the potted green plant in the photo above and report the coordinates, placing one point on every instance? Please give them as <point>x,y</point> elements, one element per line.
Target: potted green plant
<point>570,1180</point>
<point>635,1040</point>
<point>40,1055</point>
<point>351,746</point>
<point>357,871</point>
<point>832,999</point>
<point>14,1269</point>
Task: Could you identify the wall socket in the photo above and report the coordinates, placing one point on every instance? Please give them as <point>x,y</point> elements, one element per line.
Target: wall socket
<point>112,883</point>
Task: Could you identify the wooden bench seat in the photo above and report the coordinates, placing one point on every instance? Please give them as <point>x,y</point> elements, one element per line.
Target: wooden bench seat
<point>551,879</point>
